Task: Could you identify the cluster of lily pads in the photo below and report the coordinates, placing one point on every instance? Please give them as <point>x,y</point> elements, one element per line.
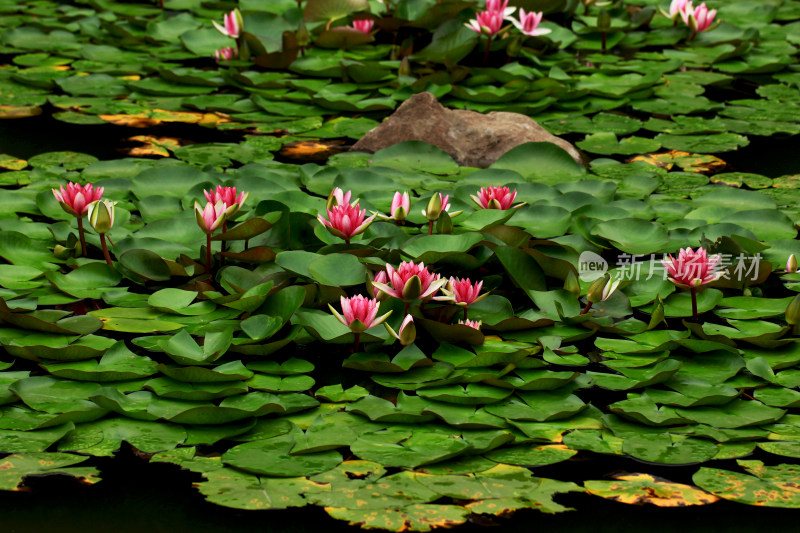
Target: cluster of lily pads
<point>244,343</point>
<point>241,373</point>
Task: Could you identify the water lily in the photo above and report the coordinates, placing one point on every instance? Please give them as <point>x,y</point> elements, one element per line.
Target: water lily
<point>500,6</point>
<point>75,200</point>
<point>363,25</point>
<point>487,22</point>
<point>410,282</point>
<point>474,324</point>
<point>691,270</point>
<point>101,218</point>
<point>210,218</point>
<point>676,9</point>
<point>528,23</point>
<point>400,206</point>
<point>462,292</point>
<point>228,196</point>
<point>436,206</point>
<point>791,264</point>
<point>339,197</point>
<point>359,314</point>
<point>495,198</point>
<point>407,332</point>
<point>231,24</point>
<point>698,19</point>
<point>600,290</point>
<point>346,221</point>
<point>226,53</point>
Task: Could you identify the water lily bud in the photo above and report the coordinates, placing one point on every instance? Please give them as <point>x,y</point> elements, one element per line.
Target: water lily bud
<point>407,333</point>
<point>793,311</point>
<point>405,67</point>
<point>412,289</point>
<point>601,289</point>
<point>434,207</point>
<point>571,284</point>
<point>444,225</point>
<point>101,215</point>
<point>603,20</point>
<point>302,36</point>
<point>791,264</point>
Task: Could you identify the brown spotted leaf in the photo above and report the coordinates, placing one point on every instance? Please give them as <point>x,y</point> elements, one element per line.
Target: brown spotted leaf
<point>639,489</point>
<point>421,517</point>
<point>768,486</point>
<point>14,468</point>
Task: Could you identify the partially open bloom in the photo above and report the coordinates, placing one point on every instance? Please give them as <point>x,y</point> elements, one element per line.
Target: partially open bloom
<point>487,22</point>
<point>676,9</point>
<point>528,23</point>
<point>346,221</point>
<point>75,199</point>
<point>339,197</point>
<point>101,215</point>
<point>436,205</point>
<point>410,282</point>
<point>791,264</point>
<point>210,217</point>
<point>400,205</point>
<point>225,53</point>
<point>495,198</point>
<point>231,24</point>
<point>500,6</point>
<point>700,18</point>
<point>228,196</point>
<point>462,292</point>
<point>407,332</point>
<point>692,268</point>
<point>602,289</point>
<point>360,313</point>
<point>475,324</point>
<point>363,25</point>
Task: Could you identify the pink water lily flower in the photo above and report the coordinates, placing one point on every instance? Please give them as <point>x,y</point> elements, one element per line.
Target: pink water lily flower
<point>410,282</point>
<point>499,6</point>
<point>676,9</point>
<point>210,217</point>
<point>475,324</point>
<point>692,268</point>
<point>228,196</point>
<point>346,221</point>
<point>407,332</point>
<point>487,22</point>
<point>360,313</point>
<point>75,199</point>
<point>363,25</point>
<point>699,19</point>
<point>231,24</point>
<point>400,206</point>
<point>225,53</point>
<point>495,198</point>
<point>462,292</point>
<point>528,23</point>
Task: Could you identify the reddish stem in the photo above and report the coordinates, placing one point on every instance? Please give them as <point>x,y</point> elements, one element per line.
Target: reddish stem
<point>208,253</point>
<point>586,309</point>
<point>430,227</point>
<point>486,52</point>
<point>358,338</point>
<point>105,249</point>
<point>81,235</point>
<point>694,302</point>
<point>465,314</point>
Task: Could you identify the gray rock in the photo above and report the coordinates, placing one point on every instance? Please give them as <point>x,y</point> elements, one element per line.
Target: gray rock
<point>472,139</point>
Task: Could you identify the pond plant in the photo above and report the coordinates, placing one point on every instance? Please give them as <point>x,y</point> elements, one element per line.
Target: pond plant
<point>400,340</point>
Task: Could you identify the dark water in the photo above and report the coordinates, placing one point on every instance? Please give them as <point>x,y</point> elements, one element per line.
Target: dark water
<point>136,496</point>
<point>770,156</point>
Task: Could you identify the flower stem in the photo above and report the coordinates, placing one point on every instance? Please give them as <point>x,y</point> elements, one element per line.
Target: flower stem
<point>82,236</point>
<point>357,339</point>
<point>105,249</point>
<point>694,302</point>
<point>465,314</point>
<point>486,52</point>
<point>604,41</point>
<point>586,309</point>
<point>208,253</point>
<point>430,227</point>
<point>405,309</point>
